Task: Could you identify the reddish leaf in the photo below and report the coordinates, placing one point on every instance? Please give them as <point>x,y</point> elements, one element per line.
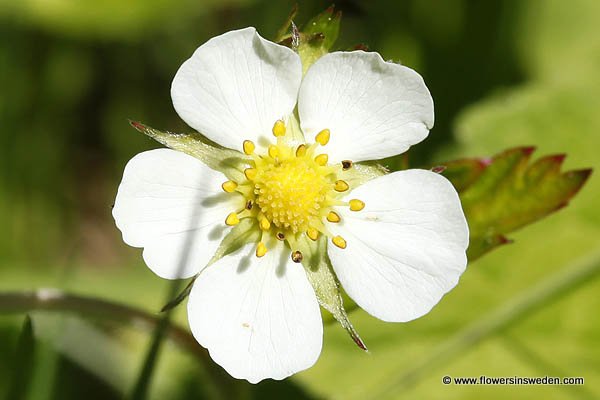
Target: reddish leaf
<point>507,192</point>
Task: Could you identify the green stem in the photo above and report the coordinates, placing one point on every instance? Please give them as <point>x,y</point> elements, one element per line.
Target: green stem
<point>48,299</point>
<point>140,390</point>
<point>56,300</point>
<point>530,301</point>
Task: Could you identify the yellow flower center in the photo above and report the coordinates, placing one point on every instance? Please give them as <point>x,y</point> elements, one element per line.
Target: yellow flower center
<point>290,191</point>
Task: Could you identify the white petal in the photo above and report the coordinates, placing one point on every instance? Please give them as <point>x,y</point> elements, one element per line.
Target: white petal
<point>374,109</point>
<point>172,205</point>
<point>258,317</point>
<point>406,248</point>
<point>235,86</point>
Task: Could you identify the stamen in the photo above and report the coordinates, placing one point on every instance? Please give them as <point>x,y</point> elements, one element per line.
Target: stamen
<point>273,151</point>
<point>261,249</point>
<point>323,137</point>
<point>250,173</point>
<point>356,205</point>
<point>279,128</point>
<point>297,256</point>
<point>321,159</point>
<point>232,219</point>
<point>290,190</point>
<point>265,225</point>
<point>333,217</point>
<point>312,233</point>
<point>229,186</point>
<point>301,151</point>
<point>248,147</point>
<point>339,242</point>
<point>341,186</point>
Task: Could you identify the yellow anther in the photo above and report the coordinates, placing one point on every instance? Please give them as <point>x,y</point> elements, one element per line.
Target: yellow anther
<point>339,242</point>
<point>232,219</point>
<point>312,233</point>
<point>279,128</point>
<point>273,151</point>
<point>301,151</point>
<point>333,217</point>
<point>356,205</point>
<point>229,186</point>
<point>323,137</point>
<point>321,159</point>
<point>265,224</point>
<point>340,186</point>
<point>248,147</point>
<point>261,249</point>
<point>250,173</point>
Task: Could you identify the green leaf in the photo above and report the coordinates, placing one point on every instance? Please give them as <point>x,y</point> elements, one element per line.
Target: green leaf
<point>463,173</point>
<point>230,162</point>
<point>507,192</point>
<point>24,362</point>
<point>325,283</point>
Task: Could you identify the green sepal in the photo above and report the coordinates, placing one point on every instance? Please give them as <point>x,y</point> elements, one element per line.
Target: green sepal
<point>230,162</point>
<point>315,39</point>
<point>323,29</point>
<point>504,193</point>
<point>324,282</point>
<point>245,232</point>
<point>360,173</point>
<point>180,297</point>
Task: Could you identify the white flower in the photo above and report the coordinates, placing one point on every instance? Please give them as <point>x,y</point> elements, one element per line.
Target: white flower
<point>397,242</point>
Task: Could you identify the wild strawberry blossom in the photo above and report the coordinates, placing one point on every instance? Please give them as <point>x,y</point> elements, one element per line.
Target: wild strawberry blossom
<point>396,241</point>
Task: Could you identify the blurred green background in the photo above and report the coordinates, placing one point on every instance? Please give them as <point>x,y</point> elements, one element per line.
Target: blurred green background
<point>502,74</point>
